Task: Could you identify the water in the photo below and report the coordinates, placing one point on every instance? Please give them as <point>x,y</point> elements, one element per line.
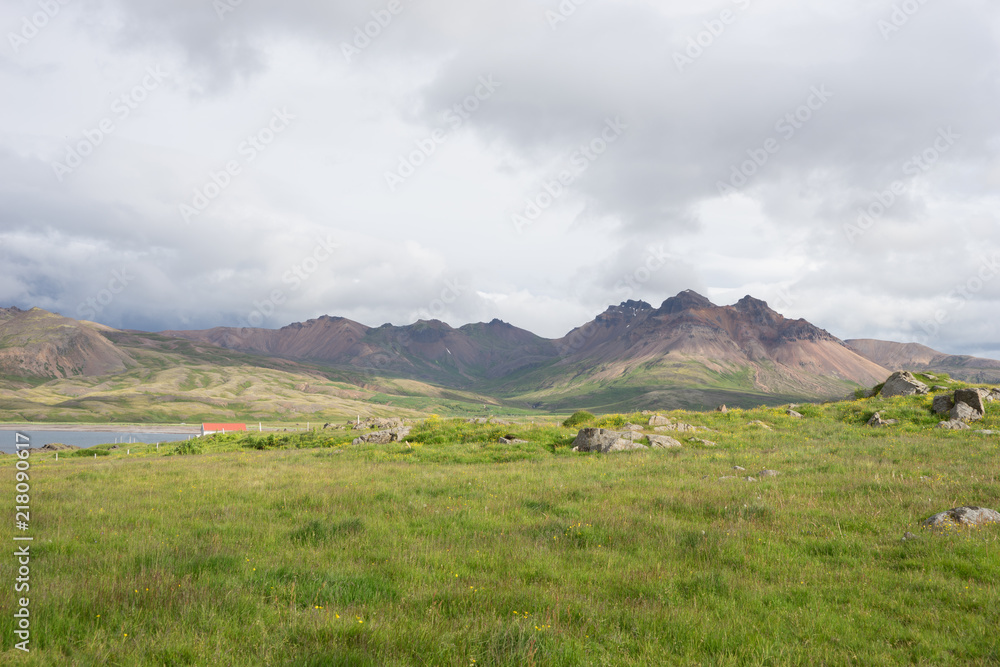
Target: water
<point>87,438</point>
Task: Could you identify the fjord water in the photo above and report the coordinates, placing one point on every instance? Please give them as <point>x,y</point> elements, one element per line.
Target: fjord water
<point>40,438</point>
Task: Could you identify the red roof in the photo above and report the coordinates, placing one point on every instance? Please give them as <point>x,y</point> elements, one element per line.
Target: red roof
<point>223,427</point>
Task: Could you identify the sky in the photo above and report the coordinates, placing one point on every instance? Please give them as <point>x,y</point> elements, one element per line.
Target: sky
<point>204,163</point>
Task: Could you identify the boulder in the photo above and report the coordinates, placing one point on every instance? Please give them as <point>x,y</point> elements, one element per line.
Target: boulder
<point>511,440</point>
<point>953,425</point>
<point>973,398</point>
<point>603,440</point>
<point>663,442</point>
<point>658,420</point>
<point>943,403</point>
<point>938,387</point>
<point>702,441</point>
<point>963,516</point>
<point>877,421</point>
<point>632,427</point>
<point>994,395</point>
<point>964,412</point>
<point>902,383</point>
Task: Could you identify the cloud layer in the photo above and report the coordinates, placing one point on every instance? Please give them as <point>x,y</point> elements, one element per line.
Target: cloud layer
<point>211,163</point>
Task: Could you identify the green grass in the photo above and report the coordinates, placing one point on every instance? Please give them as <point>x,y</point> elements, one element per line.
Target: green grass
<point>450,548</point>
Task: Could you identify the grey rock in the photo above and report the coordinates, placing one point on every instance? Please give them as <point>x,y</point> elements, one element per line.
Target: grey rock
<point>632,427</point>
<point>930,377</point>
<point>943,403</point>
<point>903,383</point>
<point>511,440</point>
<point>383,437</point>
<point>759,423</point>
<point>603,440</point>
<point>964,412</point>
<point>663,442</point>
<point>963,516</point>
<point>973,398</point>
<point>994,395</point>
<point>876,421</point>
<point>938,387</point>
<point>987,432</point>
<point>658,420</point>
<point>702,441</point>
<point>953,425</point>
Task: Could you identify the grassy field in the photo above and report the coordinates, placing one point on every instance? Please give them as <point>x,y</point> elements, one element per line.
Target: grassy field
<point>451,549</point>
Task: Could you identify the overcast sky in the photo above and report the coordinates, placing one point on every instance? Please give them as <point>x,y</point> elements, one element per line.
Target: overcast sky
<point>195,163</point>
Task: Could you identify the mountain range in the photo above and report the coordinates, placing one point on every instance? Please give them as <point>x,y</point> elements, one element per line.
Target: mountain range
<point>686,353</point>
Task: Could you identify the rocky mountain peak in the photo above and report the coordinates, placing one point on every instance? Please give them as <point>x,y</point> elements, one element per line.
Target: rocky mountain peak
<point>686,300</point>
<point>758,311</point>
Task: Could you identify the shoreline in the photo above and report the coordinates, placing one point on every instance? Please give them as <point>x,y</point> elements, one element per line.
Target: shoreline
<point>185,429</point>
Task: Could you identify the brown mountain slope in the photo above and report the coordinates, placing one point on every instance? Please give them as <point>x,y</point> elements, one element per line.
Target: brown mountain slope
<point>42,345</point>
<point>689,341</point>
<point>428,350</point>
<point>912,356</point>
<point>748,332</point>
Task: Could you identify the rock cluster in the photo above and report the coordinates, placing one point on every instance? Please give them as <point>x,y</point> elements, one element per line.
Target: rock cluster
<point>965,405</point>
<point>383,437</point>
<point>661,424</point>
<point>376,422</point>
<point>604,441</point>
